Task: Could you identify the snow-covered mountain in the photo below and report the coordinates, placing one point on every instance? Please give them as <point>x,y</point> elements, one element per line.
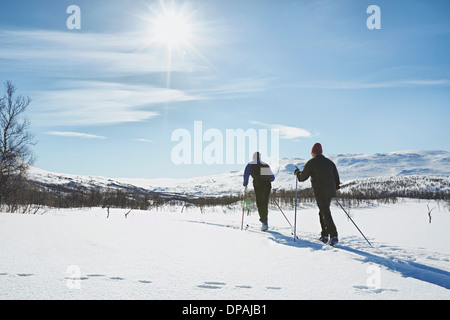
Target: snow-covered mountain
<point>351,167</point>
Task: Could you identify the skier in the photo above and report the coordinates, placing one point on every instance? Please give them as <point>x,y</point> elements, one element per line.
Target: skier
<point>262,183</point>
<point>325,181</point>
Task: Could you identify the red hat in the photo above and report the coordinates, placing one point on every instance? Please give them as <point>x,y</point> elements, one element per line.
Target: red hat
<point>317,149</point>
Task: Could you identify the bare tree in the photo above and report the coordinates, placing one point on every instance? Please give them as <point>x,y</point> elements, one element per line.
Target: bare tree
<point>15,142</point>
<point>429,213</point>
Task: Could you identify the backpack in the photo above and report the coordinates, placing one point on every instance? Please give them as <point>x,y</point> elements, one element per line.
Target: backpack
<point>261,172</point>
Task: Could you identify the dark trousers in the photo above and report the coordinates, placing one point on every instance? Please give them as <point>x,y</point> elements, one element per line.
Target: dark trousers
<point>326,220</point>
<point>262,192</point>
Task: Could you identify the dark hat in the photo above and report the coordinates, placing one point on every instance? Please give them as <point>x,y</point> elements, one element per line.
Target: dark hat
<point>317,149</point>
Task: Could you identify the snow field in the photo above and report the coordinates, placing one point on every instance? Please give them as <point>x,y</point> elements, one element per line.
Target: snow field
<point>79,254</point>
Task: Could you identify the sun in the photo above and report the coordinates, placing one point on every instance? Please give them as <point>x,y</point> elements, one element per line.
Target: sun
<point>172,28</point>
<point>175,30</point>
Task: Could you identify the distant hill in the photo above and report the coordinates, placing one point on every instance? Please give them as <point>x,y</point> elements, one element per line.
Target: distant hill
<point>403,169</point>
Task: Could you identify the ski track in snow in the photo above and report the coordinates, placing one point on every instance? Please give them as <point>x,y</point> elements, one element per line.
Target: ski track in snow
<point>383,255</point>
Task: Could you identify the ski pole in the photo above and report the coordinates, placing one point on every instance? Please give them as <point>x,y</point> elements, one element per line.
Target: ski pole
<point>353,222</point>
<point>295,219</point>
<point>243,209</point>
<point>276,202</point>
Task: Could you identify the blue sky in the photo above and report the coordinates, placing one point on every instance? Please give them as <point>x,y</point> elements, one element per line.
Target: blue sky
<point>107,97</point>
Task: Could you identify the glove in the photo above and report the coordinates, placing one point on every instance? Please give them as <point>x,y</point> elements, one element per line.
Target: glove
<point>245,184</point>
<point>297,171</point>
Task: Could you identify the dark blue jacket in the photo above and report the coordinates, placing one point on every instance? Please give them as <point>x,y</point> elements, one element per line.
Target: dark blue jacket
<point>260,173</point>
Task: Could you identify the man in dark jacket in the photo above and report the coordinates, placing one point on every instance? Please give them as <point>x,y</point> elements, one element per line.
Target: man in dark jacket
<point>325,181</point>
<point>262,178</point>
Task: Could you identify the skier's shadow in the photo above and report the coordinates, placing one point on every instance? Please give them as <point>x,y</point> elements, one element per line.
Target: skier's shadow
<point>407,269</point>
<point>297,242</point>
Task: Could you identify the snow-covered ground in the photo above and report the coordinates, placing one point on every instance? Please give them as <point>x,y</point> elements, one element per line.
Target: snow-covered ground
<point>80,254</point>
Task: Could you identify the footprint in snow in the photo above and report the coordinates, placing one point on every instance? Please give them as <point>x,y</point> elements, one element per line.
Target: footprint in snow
<point>372,290</point>
<point>76,278</point>
<point>211,285</point>
<point>96,275</point>
<point>273,288</point>
<point>145,281</point>
<point>220,285</point>
<point>244,287</point>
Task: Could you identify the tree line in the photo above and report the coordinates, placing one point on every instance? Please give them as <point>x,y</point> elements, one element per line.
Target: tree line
<point>33,196</point>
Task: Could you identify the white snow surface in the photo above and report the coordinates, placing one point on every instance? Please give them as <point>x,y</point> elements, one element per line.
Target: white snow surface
<point>166,254</point>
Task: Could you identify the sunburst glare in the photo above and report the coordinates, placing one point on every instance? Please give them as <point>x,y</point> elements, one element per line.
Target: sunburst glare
<point>172,28</point>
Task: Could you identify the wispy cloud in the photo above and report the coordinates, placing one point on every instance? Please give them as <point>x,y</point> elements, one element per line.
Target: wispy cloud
<point>426,82</point>
<point>126,77</point>
<point>144,140</point>
<point>97,102</point>
<point>74,135</point>
<point>354,85</point>
<point>235,87</point>
<point>286,132</point>
<point>111,55</point>
<point>64,59</point>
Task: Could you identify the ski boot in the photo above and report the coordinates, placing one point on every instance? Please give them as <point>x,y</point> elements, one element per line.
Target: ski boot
<point>324,239</point>
<point>265,226</point>
<point>334,241</point>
